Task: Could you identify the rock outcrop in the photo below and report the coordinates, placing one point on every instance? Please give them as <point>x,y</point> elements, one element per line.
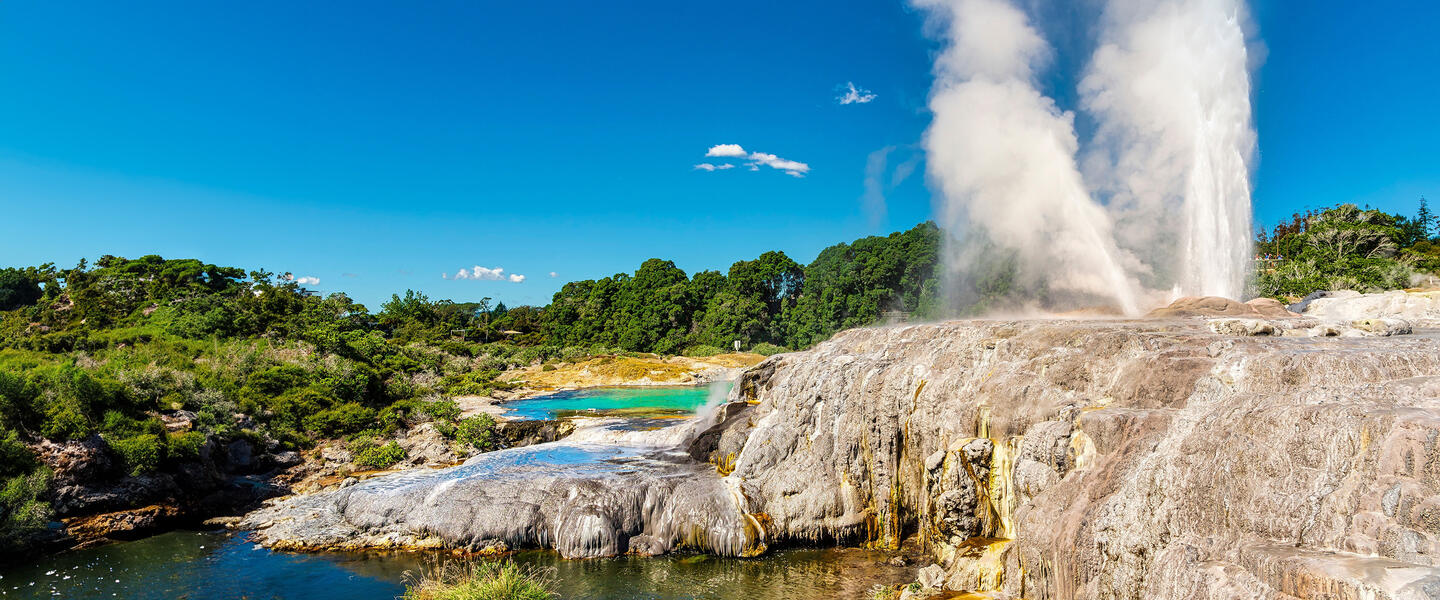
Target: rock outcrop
<point>1157,459</point>
<point>1421,307</point>
<point>97,499</point>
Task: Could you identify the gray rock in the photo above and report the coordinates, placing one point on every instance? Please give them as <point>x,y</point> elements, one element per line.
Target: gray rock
<point>1037,459</point>
<point>932,576</point>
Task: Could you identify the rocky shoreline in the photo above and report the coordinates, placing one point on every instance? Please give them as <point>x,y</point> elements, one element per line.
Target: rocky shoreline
<point>97,503</point>
<point>1159,458</point>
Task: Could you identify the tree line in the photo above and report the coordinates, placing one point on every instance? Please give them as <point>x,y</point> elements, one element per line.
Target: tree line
<point>1346,247</point>
<point>102,349</point>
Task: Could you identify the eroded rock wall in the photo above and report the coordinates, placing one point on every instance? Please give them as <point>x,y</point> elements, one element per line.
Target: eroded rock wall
<point>1073,459</point>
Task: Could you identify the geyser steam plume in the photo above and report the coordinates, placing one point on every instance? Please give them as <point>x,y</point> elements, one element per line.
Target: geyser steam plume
<point>1163,205</point>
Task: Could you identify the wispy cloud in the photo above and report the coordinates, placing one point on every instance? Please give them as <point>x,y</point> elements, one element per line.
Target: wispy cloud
<point>479,273</point>
<point>873,198</point>
<point>855,95</point>
<point>790,167</point>
<point>754,160</point>
<point>349,274</point>
<point>554,274</point>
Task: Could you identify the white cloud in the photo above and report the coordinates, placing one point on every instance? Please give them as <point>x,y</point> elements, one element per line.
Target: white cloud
<point>554,274</point>
<point>480,273</point>
<point>726,151</point>
<point>790,167</point>
<point>854,95</point>
<point>793,168</point>
<point>307,280</point>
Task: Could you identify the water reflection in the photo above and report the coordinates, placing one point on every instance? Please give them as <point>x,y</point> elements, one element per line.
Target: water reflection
<point>222,566</point>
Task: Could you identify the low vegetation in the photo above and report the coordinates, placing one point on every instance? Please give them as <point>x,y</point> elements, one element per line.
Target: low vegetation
<point>1346,248</point>
<point>103,350</point>
<point>502,580</point>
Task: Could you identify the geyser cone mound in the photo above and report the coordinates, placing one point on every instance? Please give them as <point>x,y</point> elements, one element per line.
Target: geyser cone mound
<point>1216,306</point>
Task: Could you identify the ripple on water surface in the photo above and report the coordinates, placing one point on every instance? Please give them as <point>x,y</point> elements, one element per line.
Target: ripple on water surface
<point>222,566</point>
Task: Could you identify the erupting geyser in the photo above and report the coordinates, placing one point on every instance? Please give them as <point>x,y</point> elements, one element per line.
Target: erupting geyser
<point>1161,207</point>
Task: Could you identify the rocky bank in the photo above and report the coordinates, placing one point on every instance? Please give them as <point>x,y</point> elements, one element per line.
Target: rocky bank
<point>1161,458</point>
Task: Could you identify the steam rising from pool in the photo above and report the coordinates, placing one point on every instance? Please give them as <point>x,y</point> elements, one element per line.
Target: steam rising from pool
<point>1156,204</point>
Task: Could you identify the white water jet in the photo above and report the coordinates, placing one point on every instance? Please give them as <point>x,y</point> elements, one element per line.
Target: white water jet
<point>1170,89</point>
<point>1163,207</point>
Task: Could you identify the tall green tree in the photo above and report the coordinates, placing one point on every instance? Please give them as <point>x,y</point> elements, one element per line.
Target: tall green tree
<point>18,288</point>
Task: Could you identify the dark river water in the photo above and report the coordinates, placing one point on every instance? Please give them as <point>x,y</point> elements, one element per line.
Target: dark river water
<point>219,565</point>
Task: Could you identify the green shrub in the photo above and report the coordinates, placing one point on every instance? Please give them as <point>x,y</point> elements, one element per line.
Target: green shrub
<point>185,445</point>
<point>15,457</point>
<point>768,349</point>
<point>474,383</point>
<point>379,457</point>
<point>352,384</point>
<point>139,454</point>
<point>701,351</point>
<point>119,425</point>
<point>65,421</point>
<point>22,509</point>
<point>276,380</point>
<point>441,410</point>
<point>295,407</point>
<point>346,418</point>
<point>17,398</point>
<point>478,432</point>
<point>482,581</point>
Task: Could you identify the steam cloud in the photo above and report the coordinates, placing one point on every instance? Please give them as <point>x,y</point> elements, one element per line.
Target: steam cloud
<point>1162,207</point>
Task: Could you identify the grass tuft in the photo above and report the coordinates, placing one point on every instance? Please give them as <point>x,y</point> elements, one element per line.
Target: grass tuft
<point>481,581</point>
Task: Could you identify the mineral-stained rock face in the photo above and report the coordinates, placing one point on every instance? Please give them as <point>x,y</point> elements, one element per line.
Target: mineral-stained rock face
<point>1125,459</point>
<point>1161,459</point>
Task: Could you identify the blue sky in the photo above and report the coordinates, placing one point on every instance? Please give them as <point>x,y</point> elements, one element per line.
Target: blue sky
<point>377,145</point>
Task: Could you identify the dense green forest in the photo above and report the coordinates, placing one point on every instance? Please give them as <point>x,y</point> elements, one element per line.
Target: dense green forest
<point>106,348</point>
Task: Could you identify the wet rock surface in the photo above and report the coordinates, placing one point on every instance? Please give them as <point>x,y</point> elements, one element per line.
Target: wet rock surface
<point>1038,459</point>
<point>584,500</point>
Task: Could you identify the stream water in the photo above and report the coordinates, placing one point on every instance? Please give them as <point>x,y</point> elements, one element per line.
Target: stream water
<point>215,565</point>
<point>219,565</point>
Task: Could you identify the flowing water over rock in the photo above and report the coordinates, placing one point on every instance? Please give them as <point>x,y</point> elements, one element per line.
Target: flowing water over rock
<point>1164,458</point>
